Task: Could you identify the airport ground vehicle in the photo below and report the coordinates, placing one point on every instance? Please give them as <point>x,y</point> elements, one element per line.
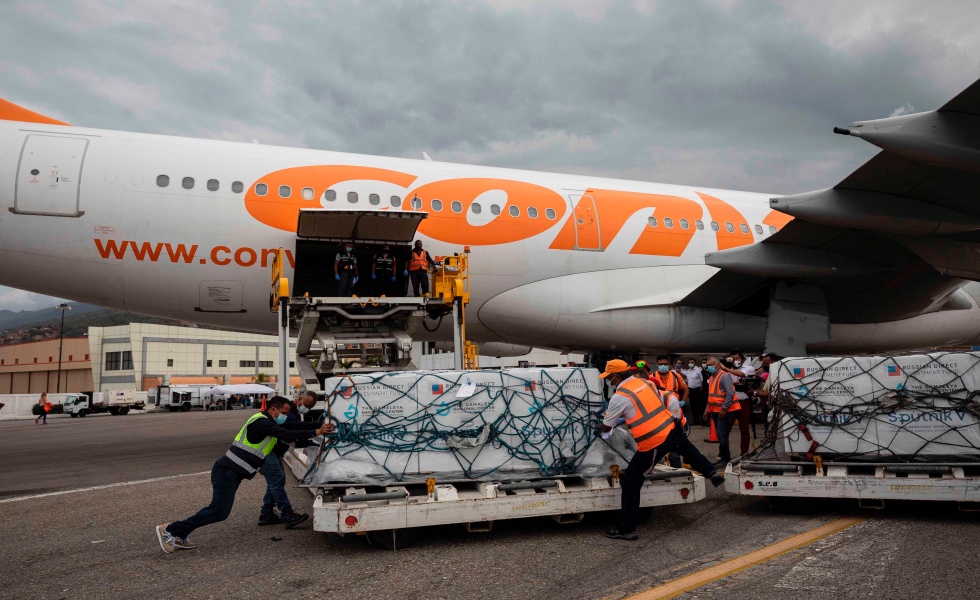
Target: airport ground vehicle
<point>181,397</point>
<point>112,402</point>
<point>392,517</point>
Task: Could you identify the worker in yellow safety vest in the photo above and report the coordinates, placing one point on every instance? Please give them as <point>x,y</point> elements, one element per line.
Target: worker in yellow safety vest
<point>418,269</point>
<point>655,432</point>
<point>254,442</point>
<point>722,406</point>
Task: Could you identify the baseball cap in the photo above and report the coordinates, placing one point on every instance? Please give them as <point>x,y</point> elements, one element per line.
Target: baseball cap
<point>614,366</point>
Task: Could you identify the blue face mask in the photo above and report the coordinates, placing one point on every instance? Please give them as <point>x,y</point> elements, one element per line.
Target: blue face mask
<point>349,248</point>
<point>711,368</point>
<point>280,419</point>
<point>663,368</point>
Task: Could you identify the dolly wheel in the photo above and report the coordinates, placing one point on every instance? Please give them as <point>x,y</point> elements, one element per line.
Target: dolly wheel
<point>393,539</point>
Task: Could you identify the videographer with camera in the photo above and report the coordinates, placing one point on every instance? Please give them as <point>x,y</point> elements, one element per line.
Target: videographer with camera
<point>744,377</point>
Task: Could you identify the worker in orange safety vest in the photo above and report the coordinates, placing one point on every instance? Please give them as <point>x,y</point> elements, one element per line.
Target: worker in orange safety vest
<point>655,432</point>
<point>722,406</point>
<point>418,269</point>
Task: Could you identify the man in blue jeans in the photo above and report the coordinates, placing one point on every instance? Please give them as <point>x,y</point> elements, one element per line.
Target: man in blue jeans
<point>274,472</point>
<point>254,442</point>
<point>722,406</point>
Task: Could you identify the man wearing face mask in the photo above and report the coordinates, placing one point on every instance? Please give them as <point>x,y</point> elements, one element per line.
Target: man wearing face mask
<point>721,406</point>
<point>656,433</point>
<point>383,271</point>
<point>345,271</point>
<point>669,381</point>
<point>419,264</point>
<point>274,471</point>
<point>254,442</point>
<point>737,368</point>
<point>695,383</point>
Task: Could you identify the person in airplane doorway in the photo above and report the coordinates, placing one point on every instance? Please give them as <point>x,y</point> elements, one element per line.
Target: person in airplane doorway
<point>46,407</point>
<point>737,368</point>
<point>274,471</point>
<point>722,406</point>
<point>383,271</point>
<point>656,433</point>
<point>695,383</point>
<point>345,271</point>
<point>418,268</point>
<point>254,442</point>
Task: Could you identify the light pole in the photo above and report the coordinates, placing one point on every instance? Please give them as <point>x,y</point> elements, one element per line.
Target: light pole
<point>61,342</point>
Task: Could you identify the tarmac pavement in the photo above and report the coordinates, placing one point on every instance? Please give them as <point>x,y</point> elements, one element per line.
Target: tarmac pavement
<point>101,543</point>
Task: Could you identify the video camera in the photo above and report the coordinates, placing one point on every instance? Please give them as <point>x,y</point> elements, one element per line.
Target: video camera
<point>744,384</point>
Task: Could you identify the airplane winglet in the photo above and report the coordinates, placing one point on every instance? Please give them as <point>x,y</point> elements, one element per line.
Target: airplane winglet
<point>11,112</point>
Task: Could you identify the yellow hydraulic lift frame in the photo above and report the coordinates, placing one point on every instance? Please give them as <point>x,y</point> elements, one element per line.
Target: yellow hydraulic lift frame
<point>452,283</point>
<point>279,302</point>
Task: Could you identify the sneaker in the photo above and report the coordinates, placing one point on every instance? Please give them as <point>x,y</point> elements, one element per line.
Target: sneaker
<point>272,519</point>
<point>292,519</point>
<point>720,463</point>
<point>617,535</point>
<point>717,479</point>
<point>166,540</point>
<point>184,544</point>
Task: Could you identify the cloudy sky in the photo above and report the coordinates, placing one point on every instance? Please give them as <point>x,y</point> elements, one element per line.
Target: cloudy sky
<point>727,94</point>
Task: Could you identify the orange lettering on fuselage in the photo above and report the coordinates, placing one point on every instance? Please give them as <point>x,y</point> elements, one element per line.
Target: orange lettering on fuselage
<point>283,213</point>
<point>614,208</point>
<point>724,213</point>
<point>484,228</point>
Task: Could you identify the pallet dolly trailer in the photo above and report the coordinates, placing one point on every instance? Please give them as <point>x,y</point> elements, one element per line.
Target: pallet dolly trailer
<point>797,485</point>
<point>392,517</point>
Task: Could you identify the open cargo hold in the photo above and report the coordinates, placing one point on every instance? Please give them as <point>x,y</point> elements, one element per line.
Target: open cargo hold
<point>415,449</point>
<point>871,428</point>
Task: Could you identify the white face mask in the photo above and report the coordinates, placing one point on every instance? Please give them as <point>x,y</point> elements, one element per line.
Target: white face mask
<point>737,363</point>
<point>301,409</point>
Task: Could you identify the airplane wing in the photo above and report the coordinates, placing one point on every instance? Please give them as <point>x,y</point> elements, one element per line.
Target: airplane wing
<point>895,239</point>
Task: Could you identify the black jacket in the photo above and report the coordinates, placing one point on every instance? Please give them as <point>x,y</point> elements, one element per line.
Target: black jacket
<point>260,429</point>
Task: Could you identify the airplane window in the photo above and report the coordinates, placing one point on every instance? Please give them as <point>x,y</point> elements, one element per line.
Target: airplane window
<point>714,226</point>
<point>758,229</point>
<point>352,197</point>
<point>35,172</point>
<point>532,212</point>
<point>477,208</point>
<point>237,187</point>
<point>163,181</point>
<point>550,213</point>
<point>699,224</point>
<point>416,203</point>
<point>668,222</point>
<point>396,201</point>
<point>652,221</point>
<point>187,183</point>
<point>437,205</point>
<point>514,211</point>
<point>212,185</point>
<point>284,191</point>
<point>729,228</point>
<point>374,199</point>
<point>261,189</point>
<point>494,209</point>
<point>330,195</point>
<point>744,228</point>
<point>684,224</point>
<point>307,193</point>
<point>772,230</point>
<point>457,206</point>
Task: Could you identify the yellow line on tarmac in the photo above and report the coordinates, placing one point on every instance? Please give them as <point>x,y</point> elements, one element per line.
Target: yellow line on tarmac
<point>727,568</point>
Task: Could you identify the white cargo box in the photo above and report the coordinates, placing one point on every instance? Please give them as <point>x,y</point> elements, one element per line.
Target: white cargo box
<point>409,426</point>
<point>903,406</point>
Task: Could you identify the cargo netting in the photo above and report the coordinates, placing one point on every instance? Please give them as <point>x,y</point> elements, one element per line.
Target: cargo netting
<point>915,408</point>
<point>482,425</point>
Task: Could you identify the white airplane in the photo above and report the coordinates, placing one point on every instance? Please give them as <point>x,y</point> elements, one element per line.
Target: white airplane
<point>186,228</point>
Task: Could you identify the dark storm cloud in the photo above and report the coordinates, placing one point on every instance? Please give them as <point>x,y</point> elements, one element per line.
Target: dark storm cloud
<point>727,94</point>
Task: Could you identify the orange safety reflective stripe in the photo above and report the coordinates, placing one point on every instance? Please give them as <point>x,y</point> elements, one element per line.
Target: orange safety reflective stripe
<point>419,261</point>
<point>716,395</point>
<point>652,422</point>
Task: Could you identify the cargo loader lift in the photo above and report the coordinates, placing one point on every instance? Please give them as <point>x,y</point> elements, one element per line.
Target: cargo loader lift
<point>361,334</point>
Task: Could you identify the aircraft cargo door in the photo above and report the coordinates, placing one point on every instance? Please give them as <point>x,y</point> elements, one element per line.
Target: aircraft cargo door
<point>48,176</point>
<point>586,222</point>
<point>321,233</point>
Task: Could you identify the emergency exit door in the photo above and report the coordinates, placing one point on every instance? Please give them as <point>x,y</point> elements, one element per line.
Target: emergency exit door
<point>586,222</point>
<point>48,176</point>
